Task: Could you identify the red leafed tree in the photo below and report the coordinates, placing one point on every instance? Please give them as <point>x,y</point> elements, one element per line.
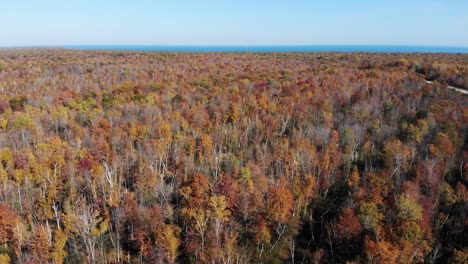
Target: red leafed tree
<point>8,220</point>
<point>348,225</point>
<point>429,175</point>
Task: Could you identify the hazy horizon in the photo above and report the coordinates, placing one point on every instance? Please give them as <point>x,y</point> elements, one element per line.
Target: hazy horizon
<point>240,23</point>
<point>227,45</point>
<point>258,48</point>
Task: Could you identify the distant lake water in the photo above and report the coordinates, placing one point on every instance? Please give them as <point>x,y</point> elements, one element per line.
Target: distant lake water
<point>277,49</point>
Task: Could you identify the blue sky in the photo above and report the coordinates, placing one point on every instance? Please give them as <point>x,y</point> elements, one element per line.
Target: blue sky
<point>236,22</point>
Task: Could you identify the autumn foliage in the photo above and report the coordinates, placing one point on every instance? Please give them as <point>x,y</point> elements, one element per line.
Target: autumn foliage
<point>126,157</point>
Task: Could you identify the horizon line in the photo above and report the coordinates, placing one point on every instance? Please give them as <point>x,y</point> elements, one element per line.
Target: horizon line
<point>226,45</point>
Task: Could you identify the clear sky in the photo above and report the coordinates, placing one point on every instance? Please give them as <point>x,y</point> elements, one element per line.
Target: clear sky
<point>235,22</point>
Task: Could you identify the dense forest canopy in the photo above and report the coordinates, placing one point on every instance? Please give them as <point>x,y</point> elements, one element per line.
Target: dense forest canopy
<point>126,157</point>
